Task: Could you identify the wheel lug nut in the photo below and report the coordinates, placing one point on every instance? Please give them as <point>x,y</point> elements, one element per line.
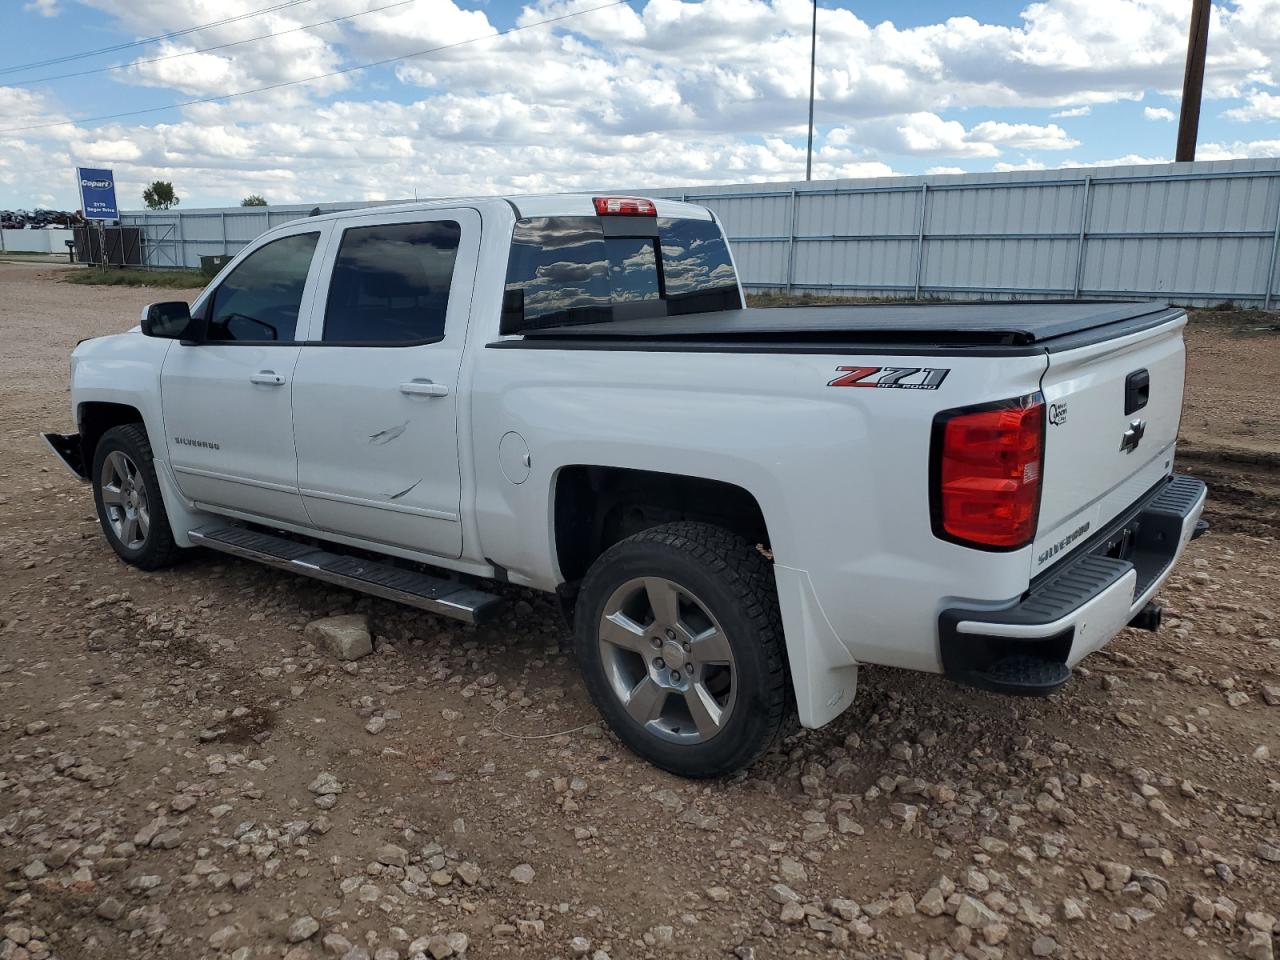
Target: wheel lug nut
<point>686,646</point>
<point>675,675</point>
<point>671,634</point>
<point>659,663</point>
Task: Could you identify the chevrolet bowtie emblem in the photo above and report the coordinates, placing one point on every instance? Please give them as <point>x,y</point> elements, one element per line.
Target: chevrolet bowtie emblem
<point>1130,439</point>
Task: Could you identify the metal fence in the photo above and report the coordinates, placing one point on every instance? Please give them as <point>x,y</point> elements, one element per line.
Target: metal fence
<point>179,238</point>
<point>34,241</point>
<point>1195,233</point>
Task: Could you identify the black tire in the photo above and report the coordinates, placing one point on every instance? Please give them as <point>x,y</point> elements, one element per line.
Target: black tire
<point>155,548</point>
<point>735,584</point>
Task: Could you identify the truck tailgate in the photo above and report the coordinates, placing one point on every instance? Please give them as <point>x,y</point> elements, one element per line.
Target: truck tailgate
<point>1112,412</point>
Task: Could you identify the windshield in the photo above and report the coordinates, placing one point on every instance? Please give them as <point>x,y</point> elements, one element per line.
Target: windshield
<point>571,270</point>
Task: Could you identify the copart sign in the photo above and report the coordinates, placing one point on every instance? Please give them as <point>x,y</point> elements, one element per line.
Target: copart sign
<point>97,194</point>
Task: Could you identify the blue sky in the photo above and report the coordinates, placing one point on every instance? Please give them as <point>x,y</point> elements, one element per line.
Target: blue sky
<point>657,92</point>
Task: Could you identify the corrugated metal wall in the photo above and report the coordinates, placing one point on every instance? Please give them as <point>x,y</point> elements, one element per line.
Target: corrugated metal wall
<point>179,238</point>
<point>1197,233</point>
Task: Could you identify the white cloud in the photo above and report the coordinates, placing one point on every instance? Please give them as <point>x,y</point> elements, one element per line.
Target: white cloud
<point>20,106</point>
<point>1159,113</point>
<point>1259,105</point>
<point>46,8</point>
<point>1128,160</point>
<point>658,92</point>
<point>1238,150</point>
<point>939,171</point>
<point>1023,136</point>
<point>927,134</point>
<point>1005,167</point>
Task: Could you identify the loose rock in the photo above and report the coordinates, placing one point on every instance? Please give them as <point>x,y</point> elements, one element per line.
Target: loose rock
<point>345,637</point>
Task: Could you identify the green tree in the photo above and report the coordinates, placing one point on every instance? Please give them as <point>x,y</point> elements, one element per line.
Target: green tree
<point>160,196</point>
<point>253,200</point>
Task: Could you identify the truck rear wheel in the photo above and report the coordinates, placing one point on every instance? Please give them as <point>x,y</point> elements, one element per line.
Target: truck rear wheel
<point>681,648</point>
<point>127,495</point>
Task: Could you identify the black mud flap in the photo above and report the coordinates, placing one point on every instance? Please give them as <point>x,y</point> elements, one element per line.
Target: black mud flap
<point>69,451</point>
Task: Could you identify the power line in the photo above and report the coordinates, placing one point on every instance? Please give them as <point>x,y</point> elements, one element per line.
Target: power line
<point>140,43</point>
<point>191,53</point>
<point>322,76</point>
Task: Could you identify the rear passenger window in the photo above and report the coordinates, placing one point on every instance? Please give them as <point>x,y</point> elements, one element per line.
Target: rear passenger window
<point>391,283</point>
<point>259,300</point>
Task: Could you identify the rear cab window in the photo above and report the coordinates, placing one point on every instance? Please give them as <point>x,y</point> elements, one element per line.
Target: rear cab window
<point>572,270</point>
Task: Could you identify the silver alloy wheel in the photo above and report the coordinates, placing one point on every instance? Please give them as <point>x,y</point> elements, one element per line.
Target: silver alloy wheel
<point>124,498</point>
<point>667,660</point>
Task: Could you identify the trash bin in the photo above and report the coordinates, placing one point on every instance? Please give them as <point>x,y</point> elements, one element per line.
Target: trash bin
<point>209,266</point>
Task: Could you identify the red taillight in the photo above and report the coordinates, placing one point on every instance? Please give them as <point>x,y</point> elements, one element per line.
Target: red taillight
<point>986,473</point>
<point>624,207</point>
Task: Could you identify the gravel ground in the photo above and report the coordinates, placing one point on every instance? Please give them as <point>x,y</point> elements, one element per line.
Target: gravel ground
<point>184,772</point>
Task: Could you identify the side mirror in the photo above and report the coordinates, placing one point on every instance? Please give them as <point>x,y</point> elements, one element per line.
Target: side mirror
<point>168,320</point>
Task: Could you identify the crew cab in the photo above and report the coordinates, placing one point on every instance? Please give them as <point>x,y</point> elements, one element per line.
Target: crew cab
<point>736,507</point>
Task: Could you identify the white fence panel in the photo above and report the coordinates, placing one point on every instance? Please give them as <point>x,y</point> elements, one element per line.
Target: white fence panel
<point>35,241</point>
<point>1195,233</point>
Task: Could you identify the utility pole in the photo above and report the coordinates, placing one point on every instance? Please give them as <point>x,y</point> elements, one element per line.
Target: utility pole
<point>1193,80</point>
<point>813,63</point>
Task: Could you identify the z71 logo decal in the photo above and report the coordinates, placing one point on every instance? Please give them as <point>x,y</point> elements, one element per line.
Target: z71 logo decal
<point>892,378</point>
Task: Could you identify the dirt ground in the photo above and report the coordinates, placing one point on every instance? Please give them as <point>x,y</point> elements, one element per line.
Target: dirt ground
<point>184,775</point>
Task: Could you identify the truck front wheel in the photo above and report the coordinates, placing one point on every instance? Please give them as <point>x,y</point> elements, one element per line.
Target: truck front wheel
<point>680,644</point>
<point>127,495</point>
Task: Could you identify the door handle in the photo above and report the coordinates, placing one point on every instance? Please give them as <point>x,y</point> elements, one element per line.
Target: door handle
<point>268,377</point>
<point>424,388</point>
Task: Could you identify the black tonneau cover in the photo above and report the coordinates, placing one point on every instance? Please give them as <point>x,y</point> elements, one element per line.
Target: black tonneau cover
<point>993,324</point>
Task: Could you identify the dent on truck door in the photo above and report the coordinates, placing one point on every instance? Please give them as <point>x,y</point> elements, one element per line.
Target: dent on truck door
<point>226,400</point>
<point>375,401</point>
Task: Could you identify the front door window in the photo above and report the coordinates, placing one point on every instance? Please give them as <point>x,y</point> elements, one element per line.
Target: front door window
<point>259,300</point>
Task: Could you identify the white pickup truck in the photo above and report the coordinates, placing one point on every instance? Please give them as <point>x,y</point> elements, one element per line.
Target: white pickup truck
<point>736,506</point>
